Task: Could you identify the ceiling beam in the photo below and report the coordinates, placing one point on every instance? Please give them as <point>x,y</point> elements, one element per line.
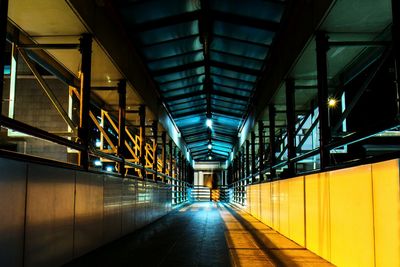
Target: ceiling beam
<point>168,21</point>
<point>192,65</point>
<point>244,20</point>
<point>186,114</point>
<point>227,113</point>
<point>253,72</point>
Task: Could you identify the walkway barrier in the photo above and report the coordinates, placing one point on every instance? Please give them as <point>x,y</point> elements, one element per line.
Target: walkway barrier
<point>350,217</point>
<point>50,215</point>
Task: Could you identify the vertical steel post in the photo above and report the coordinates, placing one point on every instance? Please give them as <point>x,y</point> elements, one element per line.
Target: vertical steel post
<point>261,148</point>
<point>86,69</point>
<point>253,156</point>
<point>290,125</point>
<point>272,143</point>
<point>322,76</point>
<point>170,158</point>
<point>121,124</point>
<point>164,151</point>
<point>3,41</point>
<point>240,164</point>
<point>396,48</point>
<point>247,158</point>
<point>142,159</point>
<point>155,151</point>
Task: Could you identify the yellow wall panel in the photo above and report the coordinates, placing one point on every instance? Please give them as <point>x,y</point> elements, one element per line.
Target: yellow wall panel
<point>296,210</point>
<point>352,235</point>
<point>256,201</point>
<point>318,215</point>
<point>386,213</point>
<point>248,199</point>
<point>284,207</point>
<point>275,205</point>
<point>266,208</point>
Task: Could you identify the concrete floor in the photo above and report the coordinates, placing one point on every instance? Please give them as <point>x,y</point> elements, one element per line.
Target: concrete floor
<point>203,234</point>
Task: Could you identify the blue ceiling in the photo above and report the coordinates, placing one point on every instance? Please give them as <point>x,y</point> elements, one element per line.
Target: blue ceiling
<point>206,57</point>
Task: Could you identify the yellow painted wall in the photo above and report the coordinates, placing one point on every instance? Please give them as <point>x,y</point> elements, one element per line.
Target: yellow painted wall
<point>352,232</point>
<point>350,217</point>
<point>296,210</point>
<point>275,205</point>
<point>317,210</point>
<point>386,188</point>
<point>284,207</point>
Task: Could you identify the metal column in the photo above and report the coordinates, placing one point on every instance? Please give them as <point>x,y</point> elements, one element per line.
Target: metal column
<point>155,152</point>
<point>396,48</point>
<point>170,158</point>
<point>272,144</point>
<point>253,156</point>
<point>290,125</point>
<point>247,158</point>
<point>3,41</point>
<point>322,75</point>
<point>121,124</point>
<point>86,69</point>
<point>142,159</point>
<point>261,148</point>
<point>164,151</point>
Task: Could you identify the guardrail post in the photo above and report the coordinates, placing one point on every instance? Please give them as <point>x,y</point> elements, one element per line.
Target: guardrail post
<point>290,125</point>
<point>142,159</point>
<point>322,76</point>
<point>86,69</point>
<point>396,51</point>
<point>121,124</point>
<point>3,41</point>
<point>272,143</point>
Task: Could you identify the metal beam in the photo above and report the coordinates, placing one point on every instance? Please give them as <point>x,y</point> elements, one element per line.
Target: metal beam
<point>261,148</point>
<point>272,143</point>
<point>121,123</point>
<point>167,21</point>
<point>247,158</point>
<point>170,158</point>
<point>245,20</point>
<point>253,155</point>
<point>322,77</point>
<point>142,135</point>
<point>179,68</point>
<point>396,49</point>
<point>227,113</point>
<point>3,36</point>
<point>218,64</point>
<point>49,46</point>
<point>187,114</point>
<point>86,70</point>
<point>290,128</point>
<point>155,151</point>
<point>46,88</point>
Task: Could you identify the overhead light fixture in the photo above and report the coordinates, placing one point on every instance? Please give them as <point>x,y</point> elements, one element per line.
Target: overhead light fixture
<point>209,123</point>
<point>332,102</point>
<point>97,163</point>
<point>98,143</point>
<point>209,146</point>
<point>209,157</point>
<point>109,169</point>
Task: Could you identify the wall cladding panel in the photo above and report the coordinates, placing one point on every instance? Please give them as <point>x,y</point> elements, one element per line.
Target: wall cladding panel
<point>88,212</point>
<point>112,208</point>
<point>140,210</point>
<point>12,210</point>
<point>128,205</point>
<point>49,216</point>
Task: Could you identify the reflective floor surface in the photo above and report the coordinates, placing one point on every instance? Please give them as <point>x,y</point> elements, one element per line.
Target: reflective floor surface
<point>203,234</point>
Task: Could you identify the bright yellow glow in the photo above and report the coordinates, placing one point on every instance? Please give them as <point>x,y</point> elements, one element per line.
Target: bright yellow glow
<point>332,102</point>
<point>385,180</point>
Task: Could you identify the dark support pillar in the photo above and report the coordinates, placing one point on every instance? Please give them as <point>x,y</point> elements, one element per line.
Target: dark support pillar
<point>247,158</point>
<point>243,163</point>
<point>261,148</point>
<point>396,48</point>
<point>155,152</point>
<point>272,144</point>
<point>142,159</point>
<point>164,151</point>
<point>86,68</point>
<point>240,165</point>
<point>253,156</point>
<point>170,158</point>
<point>121,124</point>
<point>3,35</point>
<point>322,75</point>
<point>290,125</point>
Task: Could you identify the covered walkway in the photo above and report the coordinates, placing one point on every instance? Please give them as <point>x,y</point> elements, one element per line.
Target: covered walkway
<point>203,234</point>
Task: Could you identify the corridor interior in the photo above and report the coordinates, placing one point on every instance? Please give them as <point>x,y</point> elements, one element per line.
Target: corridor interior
<point>203,234</point>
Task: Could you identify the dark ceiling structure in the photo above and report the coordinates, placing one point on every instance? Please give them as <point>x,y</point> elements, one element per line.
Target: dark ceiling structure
<point>206,58</point>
